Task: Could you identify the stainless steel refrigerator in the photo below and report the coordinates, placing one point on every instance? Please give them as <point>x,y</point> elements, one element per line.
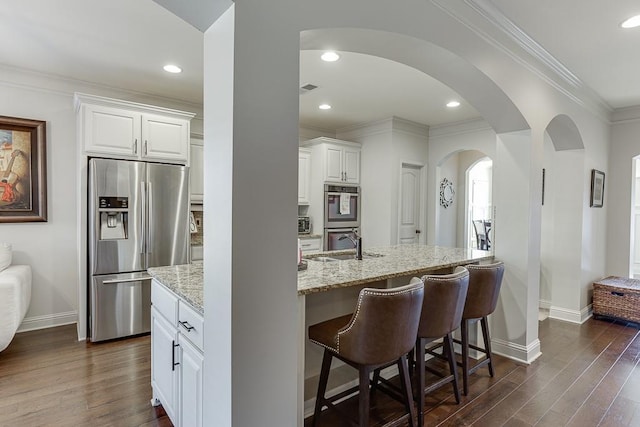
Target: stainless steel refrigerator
<point>138,217</point>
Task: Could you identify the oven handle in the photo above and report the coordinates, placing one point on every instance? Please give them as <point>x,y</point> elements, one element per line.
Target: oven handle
<point>337,194</point>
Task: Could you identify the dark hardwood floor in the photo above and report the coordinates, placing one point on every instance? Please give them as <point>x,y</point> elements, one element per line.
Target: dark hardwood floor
<point>48,378</point>
<point>588,375</point>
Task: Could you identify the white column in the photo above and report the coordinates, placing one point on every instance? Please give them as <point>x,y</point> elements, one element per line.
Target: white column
<point>251,146</point>
<point>517,193</point>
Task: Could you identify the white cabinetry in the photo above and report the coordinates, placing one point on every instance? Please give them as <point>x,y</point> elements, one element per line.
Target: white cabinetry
<point>304,175</point>
<point>177,361</point>
<point>311,244</point>
<point>121,129</point>
<point>340,159</point>
<point>196,170</point>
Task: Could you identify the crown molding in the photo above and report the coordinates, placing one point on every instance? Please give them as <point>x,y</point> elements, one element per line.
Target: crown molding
<point>537,59</point>
<point>626,115</point>
<point>382,126</point>
<point>65,86</point>
<point>459,128</point>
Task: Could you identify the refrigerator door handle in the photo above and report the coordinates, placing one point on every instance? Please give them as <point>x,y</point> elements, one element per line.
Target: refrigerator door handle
<point>151,229</point>
<point>134,279</point>
<point>143,219</point>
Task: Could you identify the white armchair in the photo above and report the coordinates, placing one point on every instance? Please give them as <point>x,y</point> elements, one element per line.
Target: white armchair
<point>15,296</point>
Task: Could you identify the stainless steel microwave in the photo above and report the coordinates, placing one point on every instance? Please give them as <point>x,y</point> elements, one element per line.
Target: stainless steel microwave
<point>304,225</point>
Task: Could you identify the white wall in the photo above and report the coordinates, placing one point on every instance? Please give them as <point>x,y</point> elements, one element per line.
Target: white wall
<point>547,225</point>
<point>447,229</point>
<point>53,248</point>
<point>49,248</point>
<point>625,145</point>
<point>470,137</point>
<point>386,144</point>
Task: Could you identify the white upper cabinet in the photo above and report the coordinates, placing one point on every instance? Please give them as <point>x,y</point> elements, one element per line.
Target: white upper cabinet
<point>165,138</point>
<point>196,170</point>
<point>304,175</point>
<point>340,159</point>
<point>121,129</point>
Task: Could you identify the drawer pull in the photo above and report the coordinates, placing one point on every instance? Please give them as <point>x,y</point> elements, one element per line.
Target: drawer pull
<point>173,355</point>
<point>618,294</point>
<point>186,325</point>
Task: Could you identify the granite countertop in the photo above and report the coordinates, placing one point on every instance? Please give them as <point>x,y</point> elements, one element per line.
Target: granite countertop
<point>388,262</point>
<point>396,261</point>
<point>184,280</point>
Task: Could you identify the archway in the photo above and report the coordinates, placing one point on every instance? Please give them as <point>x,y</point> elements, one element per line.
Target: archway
<point>478,218</point>
<point>255,127</point>
<point>561,221</point>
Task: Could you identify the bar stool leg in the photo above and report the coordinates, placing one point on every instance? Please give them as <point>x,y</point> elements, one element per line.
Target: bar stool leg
<point>464,330</point>
<point>453,366</point>
<point>364,396</point>
<point>487,342</point>
<point>322,385</point>
<point>420,367</point>
<point>406,388</point>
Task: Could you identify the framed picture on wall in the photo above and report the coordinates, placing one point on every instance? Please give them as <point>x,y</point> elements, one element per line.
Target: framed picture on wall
<point>597,188</point>
<point>23,179</point>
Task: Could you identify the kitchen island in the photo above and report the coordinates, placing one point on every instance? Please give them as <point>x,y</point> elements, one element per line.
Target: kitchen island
<point>329,271</point>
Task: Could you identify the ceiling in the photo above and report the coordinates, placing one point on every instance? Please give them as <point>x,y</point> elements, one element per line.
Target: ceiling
<point>124,44</point>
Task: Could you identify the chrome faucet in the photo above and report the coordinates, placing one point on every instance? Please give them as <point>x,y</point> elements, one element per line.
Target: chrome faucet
<point>357,241</point>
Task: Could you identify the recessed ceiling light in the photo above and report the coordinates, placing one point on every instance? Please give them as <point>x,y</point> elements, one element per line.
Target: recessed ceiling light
<point>453,104</point>
<point>632,22</point>
<point>324,106</point>
<point>170,68</point>
<point>330,56</point>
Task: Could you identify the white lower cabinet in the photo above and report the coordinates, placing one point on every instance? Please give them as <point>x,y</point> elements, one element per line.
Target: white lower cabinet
<point>191,364</point>
<point>164,375</point>
<point>311,244</point>
<point>177,361</point>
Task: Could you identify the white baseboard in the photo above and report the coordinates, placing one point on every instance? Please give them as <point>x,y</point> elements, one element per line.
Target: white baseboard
<point>544,304</point>
<point>48,321</point>
<point>572,316</point>
<point>517,352</point>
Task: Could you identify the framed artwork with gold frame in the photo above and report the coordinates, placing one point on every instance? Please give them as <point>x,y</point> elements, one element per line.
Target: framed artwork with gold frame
<point>23,171</point>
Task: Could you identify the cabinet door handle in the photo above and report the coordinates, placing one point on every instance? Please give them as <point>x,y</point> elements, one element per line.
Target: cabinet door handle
<point>145,147</point>
<point>186,325</point>
<point>173,355</point>
<point>135,146</point>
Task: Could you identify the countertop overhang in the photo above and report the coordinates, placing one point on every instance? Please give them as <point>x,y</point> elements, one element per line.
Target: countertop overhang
<point>387,262</point>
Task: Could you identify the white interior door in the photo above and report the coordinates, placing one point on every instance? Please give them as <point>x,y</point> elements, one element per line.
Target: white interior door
<point>409,219</point>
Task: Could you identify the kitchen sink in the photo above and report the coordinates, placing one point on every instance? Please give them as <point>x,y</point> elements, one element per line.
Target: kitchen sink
<point>342,257</point>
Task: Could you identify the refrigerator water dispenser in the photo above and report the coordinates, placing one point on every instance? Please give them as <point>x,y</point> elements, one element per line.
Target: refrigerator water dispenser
<point>114,217</point>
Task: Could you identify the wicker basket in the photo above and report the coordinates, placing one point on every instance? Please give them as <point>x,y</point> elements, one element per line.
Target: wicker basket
<point>617,297</point>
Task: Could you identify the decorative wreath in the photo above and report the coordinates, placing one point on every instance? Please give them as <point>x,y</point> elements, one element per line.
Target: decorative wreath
<point>446,193</point>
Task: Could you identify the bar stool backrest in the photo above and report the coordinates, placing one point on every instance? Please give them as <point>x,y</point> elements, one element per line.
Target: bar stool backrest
<point>443,304</point>
<point>384,325</point>
<point>485,281</point>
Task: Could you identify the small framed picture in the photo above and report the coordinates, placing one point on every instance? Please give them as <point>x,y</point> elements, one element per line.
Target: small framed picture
<point>597,188</point>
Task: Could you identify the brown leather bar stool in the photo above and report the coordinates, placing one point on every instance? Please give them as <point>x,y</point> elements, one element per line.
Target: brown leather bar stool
<point>382,330</point>
<point>444,300</point>
<point>484,288</point>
